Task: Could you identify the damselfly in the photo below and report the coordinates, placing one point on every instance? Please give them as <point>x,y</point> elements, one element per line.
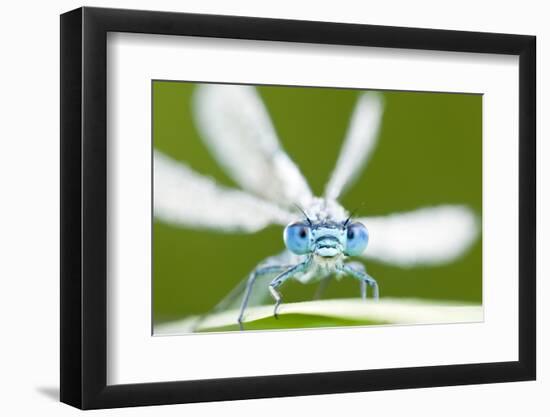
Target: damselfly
<point>320,235</point>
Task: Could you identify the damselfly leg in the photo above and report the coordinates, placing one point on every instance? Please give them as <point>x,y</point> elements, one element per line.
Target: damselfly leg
<point>365,279</point>
<point>254,275</point>
<point>281,279</point>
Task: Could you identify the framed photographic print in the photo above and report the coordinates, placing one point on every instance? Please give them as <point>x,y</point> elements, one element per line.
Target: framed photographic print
<point>258,207</point>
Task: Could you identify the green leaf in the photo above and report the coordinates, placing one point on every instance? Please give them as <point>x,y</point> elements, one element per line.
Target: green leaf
<point>330,313</point>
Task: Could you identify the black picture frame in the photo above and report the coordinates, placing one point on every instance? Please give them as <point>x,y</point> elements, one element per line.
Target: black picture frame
<point>84,207</point>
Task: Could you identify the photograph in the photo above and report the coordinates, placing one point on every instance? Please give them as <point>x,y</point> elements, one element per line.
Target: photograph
<point>293,207</point>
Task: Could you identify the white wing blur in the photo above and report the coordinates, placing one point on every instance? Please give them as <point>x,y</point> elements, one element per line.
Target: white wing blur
<point>358,145</point>
<point>186,198</point>
<point>236,127</point>
<point>430,235</point>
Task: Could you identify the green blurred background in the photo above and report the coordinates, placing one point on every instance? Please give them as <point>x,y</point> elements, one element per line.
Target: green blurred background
<point>429,152</point>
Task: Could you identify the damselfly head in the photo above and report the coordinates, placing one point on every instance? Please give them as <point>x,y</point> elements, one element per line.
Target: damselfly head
<point>326,238</point>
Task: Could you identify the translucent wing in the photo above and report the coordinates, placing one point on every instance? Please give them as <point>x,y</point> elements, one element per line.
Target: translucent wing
<point>259,294</point>
<point>430,235</point>
<point>231,303</point>
<point>237,129</point>
<point>184,197</point>
<point>359,143</point>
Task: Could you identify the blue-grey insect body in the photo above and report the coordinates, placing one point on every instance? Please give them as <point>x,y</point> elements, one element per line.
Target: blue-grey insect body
<point>322,243</point>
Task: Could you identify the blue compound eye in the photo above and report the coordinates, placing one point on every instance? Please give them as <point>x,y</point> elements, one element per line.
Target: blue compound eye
<point>297,238</point>
<point>357,239</point>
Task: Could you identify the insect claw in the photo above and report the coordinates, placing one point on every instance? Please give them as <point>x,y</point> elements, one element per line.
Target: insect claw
<point>275,314</point>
